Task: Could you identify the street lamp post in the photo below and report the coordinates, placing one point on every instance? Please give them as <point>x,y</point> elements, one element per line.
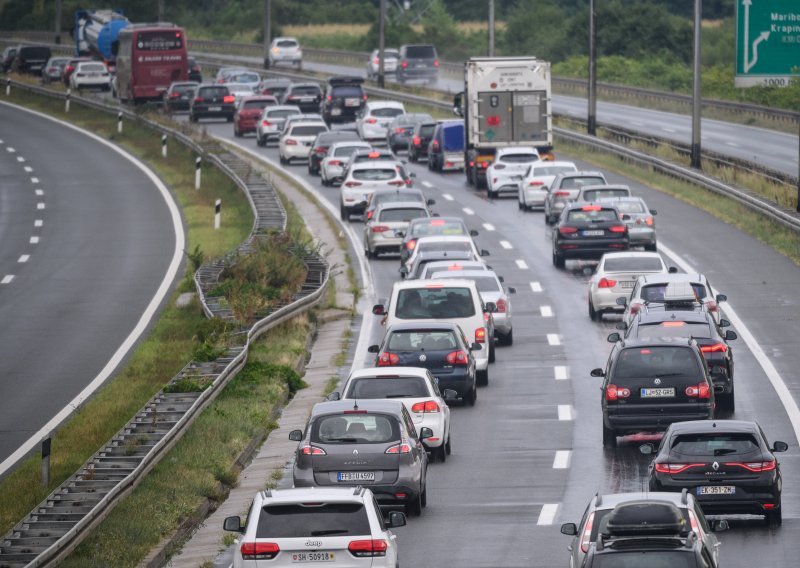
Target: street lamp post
<point>592,94</point>
<point>381,44</point>
<point>696,101</point>
<point>267,26</point>
<point>491,28</point>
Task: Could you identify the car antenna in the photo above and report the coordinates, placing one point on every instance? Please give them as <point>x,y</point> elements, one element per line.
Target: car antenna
<point>355,404</point>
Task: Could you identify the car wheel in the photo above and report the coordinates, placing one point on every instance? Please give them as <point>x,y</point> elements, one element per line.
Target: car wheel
<point>727,401</point>
<point>491,194</point>
<point>412,157</point>
<point>472,396</point>
<point>506,339</point>
<point>344,214</point>
<point>609,437</point>
<point>229,118</point>
<point>491,353</point>
<point>414,508</point>
<point>519,204</point>
<point>482,378</point>
<point>260,141</point>
<point>441,453</point>
<point>236,132</point>
<point>424,496</point>
<point>774,518</point>
<point>651,248</point>
<point>448,448</point>
<point>368,253</point>
<point>192,118</point>
<point>558,260</point>
<point>593,315</point>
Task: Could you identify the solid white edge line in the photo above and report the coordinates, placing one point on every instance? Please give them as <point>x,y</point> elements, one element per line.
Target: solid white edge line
<point>561,459</point>
<point>565,412</point>
<point>783,392</point>
<point>144,320</point>
<point>561,373</point>
<point>548,514</point>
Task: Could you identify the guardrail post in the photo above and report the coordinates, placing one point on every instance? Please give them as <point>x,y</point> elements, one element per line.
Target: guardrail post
<point>46,462</point>
<point>119,122</point>
<point>66,101</point>
<point>164,145</point>
<point>8,87</point>
<point>197,172</point>
<point>217,208</point>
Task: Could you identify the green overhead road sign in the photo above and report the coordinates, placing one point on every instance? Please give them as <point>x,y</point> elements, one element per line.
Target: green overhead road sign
<point>767,42</point>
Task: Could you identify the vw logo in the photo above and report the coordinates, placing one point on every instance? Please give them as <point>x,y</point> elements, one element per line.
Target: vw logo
<point>355,452</point>
<point>657,381</point>
<point>423,357</point>
<point>715,466</point>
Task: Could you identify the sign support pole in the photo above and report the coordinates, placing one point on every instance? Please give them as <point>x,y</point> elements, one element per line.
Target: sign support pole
<point>592,94</point>
<point>696,100</point>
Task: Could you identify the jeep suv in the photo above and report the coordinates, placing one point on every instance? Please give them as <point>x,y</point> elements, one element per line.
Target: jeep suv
<point>418,62</point>
<point>343,100</point>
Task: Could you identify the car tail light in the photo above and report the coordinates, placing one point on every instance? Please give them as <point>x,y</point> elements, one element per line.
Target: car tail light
<point>457,358</point>
<point>501,305</point>
<point>567,230</point>
<point>435,144</point>
<point>330,98</point>
<point>404,64</point>
<point>228,99</point>
<point>69,69</point>
<point>700,390</point>
<point>484,165</point>
<point>411,245</point>
<point>693,523</point>
<point>321,150</point>
<point>635,307</point>
<point>436,63</point>
<point>674,468</point>
<point>480,335</point>
<point>427,406</point>
<point>586,538</point>
<point>591,208</point>
<point>416,141</point>
<point>368,548</point>
<point>399,449</point>
<point>399,130</point>
<point>561,193</point>
<point>397,182</point>
<point>380,228</point>
<point>388,359</point>
<point>266,123</point>
<point>199,100</point>
<point>617,228</point>
<point>377,61</point>
<point>312,451</point>
<point>364,97</point>
<point>371,120</point>
<point>606,283</point>
<point>716,348</point>
<point>335,163</point>
<point>370,214</point>
<point>536,183</point>
<point>649,221</point>
<point>755,467</point>
<point>613,392</point>
<point>174,95</point>
<point>290,142</point>
<point>259,550</point>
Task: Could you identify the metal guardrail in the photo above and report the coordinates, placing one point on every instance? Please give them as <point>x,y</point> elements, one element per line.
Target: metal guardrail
<point>57,525</point>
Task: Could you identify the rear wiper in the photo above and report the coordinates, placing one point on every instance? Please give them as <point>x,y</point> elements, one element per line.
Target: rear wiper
<point>724,451</point>
<point>329,531</point>
<point>396,396</point>
<point>350,440</point>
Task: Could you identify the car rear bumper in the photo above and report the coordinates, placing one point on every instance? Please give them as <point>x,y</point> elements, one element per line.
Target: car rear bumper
<point>247,125</point>
<point>297,151</point>
<point>459,381</point>
<point>577,249</point>
<point>747,500</point>
<point>418,73</point>
<point>452,161</point>
<point>632,422</point>
<point>606,299</point>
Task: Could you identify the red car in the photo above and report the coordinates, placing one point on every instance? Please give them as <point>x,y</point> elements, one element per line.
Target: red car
<point>248,113</point>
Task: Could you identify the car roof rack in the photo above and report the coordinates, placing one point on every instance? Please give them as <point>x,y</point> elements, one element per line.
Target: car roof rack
<point>646,518</point>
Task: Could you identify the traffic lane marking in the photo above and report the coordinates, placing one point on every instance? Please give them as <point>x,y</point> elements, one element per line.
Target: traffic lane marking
<point>561,460</point>
<point>548,514</point>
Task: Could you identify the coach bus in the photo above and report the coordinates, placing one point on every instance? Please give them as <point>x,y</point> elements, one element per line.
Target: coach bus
<point>149,58</point>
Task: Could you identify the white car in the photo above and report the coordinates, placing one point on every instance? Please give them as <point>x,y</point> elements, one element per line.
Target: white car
<point>508,169</point>
<point>375,117</point>
<point>333,165</point>
<point>302,117</point>
<point>285,50</point>
<point>362,179</point>
<point>382,233</point>
<point>295,144</point>
<point>451,265</point>
<point>270,125</point>
<point>532,189</point>
<point>240,90</point>
<point>90,75</point>
<point>650,289</point>
<point>615,277</point>
<point>449,243</point>
<point>344,527</point>
<point>390,58</point>
<point>415,387</point>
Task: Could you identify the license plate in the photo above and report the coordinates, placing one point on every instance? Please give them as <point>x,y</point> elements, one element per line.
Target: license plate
<point>214,109</point>
<point>657,392</point>
<point>336,111</point>
<point>716,490</point>
<point>628,284</point>
<point>356,476</point>
<point>306,99</point>
<point>351,102</point>
<point>598,233</point>
<point>313,557</point>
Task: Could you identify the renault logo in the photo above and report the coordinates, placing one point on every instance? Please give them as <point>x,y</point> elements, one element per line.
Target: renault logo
<point>423,358</point>
<point>657,382</point>
<point>715,466</point>
<point>355,453</point>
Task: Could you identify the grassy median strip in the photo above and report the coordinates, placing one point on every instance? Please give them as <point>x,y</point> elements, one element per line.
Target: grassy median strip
<point>171,342</point>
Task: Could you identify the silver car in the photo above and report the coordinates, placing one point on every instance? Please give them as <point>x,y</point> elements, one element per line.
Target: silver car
<point>591,193</point>
<point>272,121</point>
<point>381,196</point>
<point>334,164</point>
<point>390,57</point>
<point>384,231</point>
<point>565,188</point>
<point>639,219</point>
<point>372,443</point>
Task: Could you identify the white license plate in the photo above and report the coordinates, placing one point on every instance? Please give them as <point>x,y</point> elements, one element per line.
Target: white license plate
<point>657,392</point>
<point>313,557</point>
<point>356,476</point>
<point>597,233</point>
<point>351,102</point>
<point>214,109</point>
<point>716,490</point>
<point>336,111</point>
<point>306,99</point>
<point>627,284</point>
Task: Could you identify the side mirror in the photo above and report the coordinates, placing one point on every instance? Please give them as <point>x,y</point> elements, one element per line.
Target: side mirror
<point>379,310</point>
<point>450,394</point>
<point>613,337</point>
<point>626,217</point>
<point>653,212</point>
<point>436,215</point>
<point>397,519</point>
<point>622,326</point>
<point>335,395</point>
<point>473,233</point>
<point>672,269</point>
<point>296,435</point>
<point>485,252</point>
<point>400,234</point>
<point>598,373</point>
<point>724,323</point>
<point>491,307</point>
<point>622,302</point>
<point>232,524</point>
<point>475,347</point>
<point>431,202</point>
<point>373,349</point>
<point>569,529</point>
<point>719,525</point>
<point>646,449</point>
<point>512,290</point>
<point>721,298</point>
<point>501,279</point>
<point>730,335</point>
<point>780,447</point>
<point>425,433</point>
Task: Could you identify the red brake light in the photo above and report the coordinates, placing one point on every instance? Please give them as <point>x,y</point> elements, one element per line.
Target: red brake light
<point>377,61</point>
<point>673,468</point>
<point>399,449</point>
<point>673,324</point>
<point>591,208</point>
<point>397,182</point>
<point>330,98</point>
<point>259,550</point>
<point>367,548</point>
<point>716,348</point>
<point>416,140</point>
<point>700,390</point>
<point>712,306</point>
<point>755,467</point>
<point>399,130</point>
<point>388,359</point>
<point>290,142</point>
<point>535,183</point>
<point>335,163</point>
<point>312,451</point>
<point>561,193</point>
<point>373,155</point>
<point>436,63</point>
<point>411,245</point>
<point>617,228</point>
<point>426,406</point>
<point>321,150</point>
<point>615,393</point>
<point>649,221</point>
<point>352,184</point>
<point>379,228</point>
<point>199,99</point>
<point>174,95</point>
<point>606,283</point>
<point>228,99</point>
<point>457,358</point>
<point>404,64</point>
<point>480,335</point>
<point>266,123</point>
<point>587,533</point>
<point>371,120</point>
<point>501,305</point>
<point>437,223</point>
<point>567,230</point>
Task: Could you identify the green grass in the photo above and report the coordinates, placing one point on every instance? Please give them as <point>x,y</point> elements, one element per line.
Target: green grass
<point>169,345</point>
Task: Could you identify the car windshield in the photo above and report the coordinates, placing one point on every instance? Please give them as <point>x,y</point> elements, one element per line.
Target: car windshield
<point>375,174</point>
<point>595,194</point>
<point>435,301</point>
<point>518,158</point>
<point>540,171</point>
<point>401,215</point>
<point>589,215</point>
<point>655,292</point>
<point>437,227</point>
<point>653,362</point>
<point>633,264</point>
<point>420,51</point>
<point>387,387</point>
<point>384,112</point>
<point>630,207</point>
<point>361,428</point>
<point>303,520</point>
<point>578,182</point>
<point>674,329</point>
<point>716,444</point>
<point>309,130</point>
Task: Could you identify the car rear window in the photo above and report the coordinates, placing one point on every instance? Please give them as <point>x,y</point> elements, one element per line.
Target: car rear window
<point>437,227</point>
<point>346,150</point>
<point>483,283</point>
<point>578,182</point>
<point>652,362</point>
<point>427,129</point>
<point>422,340</point>
<point>518,158</point>
<point>240,89</point>
<point>655,292</point>
<point>387,387</point>
<point>420,52</point>
<point>244,78</point>
<point>370,156</point>
<point>633,264</point>
<point>396,196</point>
<point>305,91</point>
<point>309,130</point>
<point>601,521</point>
<point>435,302</point>
<point>551,170</point>
<point>312,520</point>
<point>630,207</point>
<point>595,194</point>
<point>347,91</point>
<point>673,329</point>
<point>375,174</point>
<point>400,215</point>
<point>213,91</point>
<point>287,43</point>
<point>183,89</point>
<point>281,113</point>
<point>386,112</point>
<point>276,91</point>
<point>457,246</point>
<point>587,216</point>
<point>35,53</point>
<point>92,68</point>
<point>257,104</point>
<point>355,429</point>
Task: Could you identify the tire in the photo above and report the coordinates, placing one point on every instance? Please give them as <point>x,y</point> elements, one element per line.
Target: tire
<point>282,160</point>
<point>558,260</point>
<point>414,508</point>
<point>593,315</point>
<point>192,118</point>
<point>774,518</point>
<point>519,205</point>
<point>651,248</point>
<point>727,401</point>
<point>344,214</point>
<point>440,453</point>
<point>368,253</point>
<point>424,496</point>
<point>236,132</point>
<point>472,397</point>
<point>448,448</point>
<point>609,437</point>
<point>507,339</point>
<point>482,378</point>
<point>491,194</point>
<point>412,157</point>
<point>229,118</point>
<point>491,352</point>
<point>260,141</point>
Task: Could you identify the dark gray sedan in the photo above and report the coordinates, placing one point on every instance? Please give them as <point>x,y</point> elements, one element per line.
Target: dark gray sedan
<point>372,443</point>
<point>401,130</point>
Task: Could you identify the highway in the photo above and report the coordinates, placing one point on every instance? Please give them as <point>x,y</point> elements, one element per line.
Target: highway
<point>87,251</point>
<point>529,455</point>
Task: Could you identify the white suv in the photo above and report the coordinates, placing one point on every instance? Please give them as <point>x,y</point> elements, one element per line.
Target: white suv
<point>375,117</point>
<point>286,50</point>
<point>361,179</point>
<point>296,141</point>
<point>336,526</point>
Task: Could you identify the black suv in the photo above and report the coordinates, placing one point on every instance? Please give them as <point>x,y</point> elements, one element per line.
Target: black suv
<point>703,328</point>
<point>650,383</point>
<point>587,230</point>
<point>417,62</point>
<point>323,141</point>
<point>343,100</point>
<point>727,464</point>
<point>305,96</point>
<point>212,101</point>
<point>420,139</point>
<point>31,58</point>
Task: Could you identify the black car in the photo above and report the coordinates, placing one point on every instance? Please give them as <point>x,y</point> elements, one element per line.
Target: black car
<point>344,99</point>
<point>179,96</point>
<point>588,231</point>
<point>212,101</point>
<point>417,62</point>
<point>31,59</point>
<point>7,59</point>
<point>319,148</point>
<point>305,96</point>
<point>431,227</point>
<point>650,383</point>
<point>420,140</point>
<point>195,71</point>
<point>703,328</point>
<point>442,348</point>
<point>728,465</point>
<point>401,130</point>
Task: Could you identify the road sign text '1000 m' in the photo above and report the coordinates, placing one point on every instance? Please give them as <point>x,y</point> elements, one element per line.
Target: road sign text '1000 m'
<point>767,42</point>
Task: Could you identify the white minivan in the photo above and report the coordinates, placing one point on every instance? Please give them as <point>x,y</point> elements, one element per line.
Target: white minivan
<point>455,301</point>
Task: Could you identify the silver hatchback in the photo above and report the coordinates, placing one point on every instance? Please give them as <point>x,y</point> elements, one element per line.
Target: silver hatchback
<point>639,219</point>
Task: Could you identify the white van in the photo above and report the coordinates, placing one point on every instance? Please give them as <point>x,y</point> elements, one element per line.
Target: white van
<point>455,301</point>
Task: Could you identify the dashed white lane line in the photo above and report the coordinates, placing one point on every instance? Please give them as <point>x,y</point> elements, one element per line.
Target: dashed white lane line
<point>548,514</point>
<point>28,169</point>
<point>488,226</point>
<point>427,184</point>
<point>468,211</point>
<point>546,311</point>
<point>670,130</point>
<point>734,144</point>
<point>522,264</point>
<point>20,159</point>
<point>447,196</point>
<point>536,287</point>
<point>561,372</point>
<point>7,279</point>
<point>34,240</point>
<point>38,223</point>
<point>40,206</point>
<point>561,461</point>
<point>34,180</point>
<point>565,412</point>
<point>24,258</point>
<point>39,192</point>
<point>506,245</point>
<point>10,150</point>
<point>553,339</point>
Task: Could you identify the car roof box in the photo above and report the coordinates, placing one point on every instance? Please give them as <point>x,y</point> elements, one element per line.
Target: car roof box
<point>644,518</point>
<point>345,80</point>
